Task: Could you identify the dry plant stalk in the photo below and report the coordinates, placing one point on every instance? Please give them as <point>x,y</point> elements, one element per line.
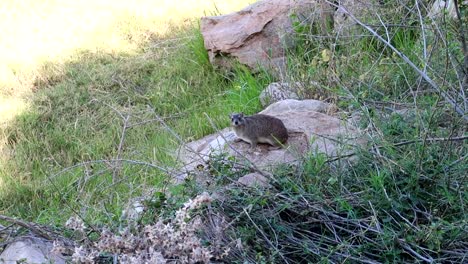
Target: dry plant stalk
<point>175,241</point>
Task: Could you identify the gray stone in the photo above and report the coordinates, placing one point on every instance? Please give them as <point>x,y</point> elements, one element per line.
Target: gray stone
<point>275,92</point>
<point>299,105</point>
<point>440,8</point>
<point>344,25</point>
<point>254,180</point>
<point>30,250</point>
<point>308,131</point>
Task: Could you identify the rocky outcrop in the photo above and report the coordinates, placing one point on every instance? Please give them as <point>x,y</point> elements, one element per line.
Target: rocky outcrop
<point>278,91</point>
<point>258,35</point>
<point>441,7</point>
<point>309,129</point>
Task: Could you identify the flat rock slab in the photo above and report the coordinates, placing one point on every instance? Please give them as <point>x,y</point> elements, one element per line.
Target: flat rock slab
<point>254,180</point>
<point>299,105</point>
<point>30,250</point>
<point>308,131</point>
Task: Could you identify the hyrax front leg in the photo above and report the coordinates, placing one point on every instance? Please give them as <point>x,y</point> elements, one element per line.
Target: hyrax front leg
<point>253,144</point>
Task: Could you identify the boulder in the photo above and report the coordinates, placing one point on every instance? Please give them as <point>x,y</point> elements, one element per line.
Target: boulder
<point>299,105</point>
<point>30,250</point>
<point>259,35</point>
<point>254,179</point>
<point>308,130</point>
<point>276,92</point>
<point>196,154</point>
<point>440,8</point>
<point>279,91</point>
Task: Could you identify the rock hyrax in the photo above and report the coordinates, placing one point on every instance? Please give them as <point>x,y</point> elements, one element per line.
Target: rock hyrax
<point>259,129</point>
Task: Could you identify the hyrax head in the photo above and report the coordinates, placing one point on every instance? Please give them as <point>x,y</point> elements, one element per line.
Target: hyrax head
<point>237,119</point>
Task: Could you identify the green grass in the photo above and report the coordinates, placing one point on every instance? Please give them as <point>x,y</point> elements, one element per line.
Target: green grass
<point>103,104</point>
<point>78,115</point>
<point>397,203</point>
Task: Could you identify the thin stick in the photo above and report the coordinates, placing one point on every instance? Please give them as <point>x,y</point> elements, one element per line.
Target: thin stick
<point>264,236</point>
<point>115,172</point>
<point>430,140</point>
<point>35,228</point>
<point>414,253</point>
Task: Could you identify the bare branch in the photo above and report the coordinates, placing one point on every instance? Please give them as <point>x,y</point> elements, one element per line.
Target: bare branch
<point>427,259</point>
<point>434,85</point>
<point>264,236</point>
<point>33,227</point>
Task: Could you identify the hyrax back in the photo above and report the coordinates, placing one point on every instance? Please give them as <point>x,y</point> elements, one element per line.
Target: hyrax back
<point>259,129</point>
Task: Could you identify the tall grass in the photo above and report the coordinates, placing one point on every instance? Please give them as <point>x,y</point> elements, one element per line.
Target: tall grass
<point>112,96</point>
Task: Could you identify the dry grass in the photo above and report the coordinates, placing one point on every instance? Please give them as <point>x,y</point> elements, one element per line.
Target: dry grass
<point>101,100</point>
<point>38,31</point>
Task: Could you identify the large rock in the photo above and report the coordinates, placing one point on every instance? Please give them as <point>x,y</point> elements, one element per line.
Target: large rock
<point>259,34</point>
<point>30,250</point>
<point>300,105</point>
<point>308,130</point>
<point>277,91</point>
<point>254,179</point>
<point>440,8</point>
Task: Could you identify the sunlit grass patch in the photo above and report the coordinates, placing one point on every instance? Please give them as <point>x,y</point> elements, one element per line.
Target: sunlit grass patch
<point>38,31</point>
<point>89,64</point>
<point>10,107</point>
<point>98,107</point>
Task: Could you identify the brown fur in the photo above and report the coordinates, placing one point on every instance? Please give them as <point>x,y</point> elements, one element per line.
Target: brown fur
<point>259,129</point>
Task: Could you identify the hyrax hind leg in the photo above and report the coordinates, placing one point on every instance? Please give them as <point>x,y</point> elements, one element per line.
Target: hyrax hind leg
<point>274,144</point>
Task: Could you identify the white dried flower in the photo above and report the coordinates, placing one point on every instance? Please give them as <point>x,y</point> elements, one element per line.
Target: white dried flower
<point>58,247</point>
<point>81,255</point>
<point>76,224</point>
<point>158,243</point>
